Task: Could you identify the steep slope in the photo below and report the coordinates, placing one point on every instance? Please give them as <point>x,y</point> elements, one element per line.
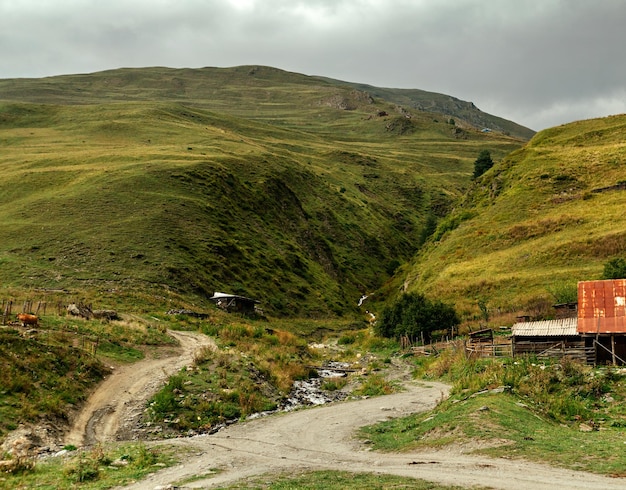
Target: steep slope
<point>303,196</point>
<point>548,215</point>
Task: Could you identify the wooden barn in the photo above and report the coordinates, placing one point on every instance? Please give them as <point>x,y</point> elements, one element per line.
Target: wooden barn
<point>550,338</point>
<point>602,319</point>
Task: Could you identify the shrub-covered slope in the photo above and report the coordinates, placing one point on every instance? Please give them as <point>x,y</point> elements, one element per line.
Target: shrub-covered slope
<point>281,187</point>
<point>548,215</point>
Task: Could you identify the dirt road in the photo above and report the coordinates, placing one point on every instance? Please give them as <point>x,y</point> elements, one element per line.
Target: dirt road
<point>312,439</point>
<point>111,411</point>
<point>323,438</point>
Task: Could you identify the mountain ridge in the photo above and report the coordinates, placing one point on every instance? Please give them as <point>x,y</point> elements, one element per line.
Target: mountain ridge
<point>181,81</point>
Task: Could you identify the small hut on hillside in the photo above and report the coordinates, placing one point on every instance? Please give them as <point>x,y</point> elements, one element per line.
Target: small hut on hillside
<point>233,303</point>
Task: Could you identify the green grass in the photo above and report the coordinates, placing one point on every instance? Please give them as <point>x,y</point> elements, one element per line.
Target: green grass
<point>532,222</point>
<point>251,372</point>
<point>47,373</point>
<point>538,416</point>
<point>41,381</point>
<point>337,480</point>
<point>501,426</point>
<point>95,469</point>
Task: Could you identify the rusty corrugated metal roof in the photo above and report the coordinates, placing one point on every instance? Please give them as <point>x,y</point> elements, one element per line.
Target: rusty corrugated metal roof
<point>563,327</point>
<point>602,306</point>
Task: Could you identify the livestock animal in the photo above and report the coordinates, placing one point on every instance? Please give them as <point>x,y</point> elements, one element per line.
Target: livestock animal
<point>27,319</point>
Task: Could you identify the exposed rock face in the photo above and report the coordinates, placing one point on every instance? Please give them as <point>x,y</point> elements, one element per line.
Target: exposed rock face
<point>400,125</point>
<point>348,102</point>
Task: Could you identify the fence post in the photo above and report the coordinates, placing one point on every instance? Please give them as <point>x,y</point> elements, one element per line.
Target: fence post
<point>7,311</point>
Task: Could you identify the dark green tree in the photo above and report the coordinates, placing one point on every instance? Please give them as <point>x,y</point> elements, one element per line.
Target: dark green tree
<point>429,228</point>
<point>413,315</point>
<point>482,163</point>
<point>615,269</point>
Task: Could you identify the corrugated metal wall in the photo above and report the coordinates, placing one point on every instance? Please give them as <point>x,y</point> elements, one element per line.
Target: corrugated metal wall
<point>602,306</point>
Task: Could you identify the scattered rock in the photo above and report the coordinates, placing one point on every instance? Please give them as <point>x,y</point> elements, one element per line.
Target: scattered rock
<point>106,314</point>
<point>119,463</point>
<point>183,311</point>
<point>80,310</point>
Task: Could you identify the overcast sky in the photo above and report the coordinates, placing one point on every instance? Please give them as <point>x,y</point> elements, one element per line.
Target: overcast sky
<point>540,63</point>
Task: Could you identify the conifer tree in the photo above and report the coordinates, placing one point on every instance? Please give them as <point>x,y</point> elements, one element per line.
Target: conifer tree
<point>482,163</point>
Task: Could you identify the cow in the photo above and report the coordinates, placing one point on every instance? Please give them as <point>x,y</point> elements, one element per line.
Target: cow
<point>27,319</point>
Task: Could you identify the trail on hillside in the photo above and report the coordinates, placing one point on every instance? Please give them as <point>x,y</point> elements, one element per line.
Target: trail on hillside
<point>112,410</point>
<point>323,439</point>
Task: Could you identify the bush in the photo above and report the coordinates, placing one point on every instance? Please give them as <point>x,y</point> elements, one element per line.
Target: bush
<point>374,385</point>
<point>615,269</point>
<point>450,223</point>
<point>414,316</point>
<point>564,292</point>
<point>334,384</point>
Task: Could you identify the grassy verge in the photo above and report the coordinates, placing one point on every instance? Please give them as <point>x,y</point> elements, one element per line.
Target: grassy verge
<point>254,367</point>
<point>339,480</point>
<point>565,413</point>
<point>99,468</point>
<point>41,381</point>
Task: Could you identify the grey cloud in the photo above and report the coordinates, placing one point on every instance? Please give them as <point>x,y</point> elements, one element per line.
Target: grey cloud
<point>538,62</point>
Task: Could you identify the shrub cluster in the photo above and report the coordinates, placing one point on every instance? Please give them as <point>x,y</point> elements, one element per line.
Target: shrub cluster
<point>416,316</point>
<point>564,389</point>
<point>228,384</point>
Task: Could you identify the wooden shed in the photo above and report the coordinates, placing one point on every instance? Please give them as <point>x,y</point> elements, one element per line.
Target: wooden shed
<point>550,338</point>
<point>602,319</point>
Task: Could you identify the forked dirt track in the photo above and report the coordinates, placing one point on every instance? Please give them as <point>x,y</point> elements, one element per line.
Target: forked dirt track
<point>323,438</point>
<point>110,412</point>
<point>310,439</point>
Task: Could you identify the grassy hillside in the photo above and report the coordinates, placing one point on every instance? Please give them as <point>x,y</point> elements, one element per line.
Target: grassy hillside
<point>161,183</point>
<point>258,92</point>
<point>547,216</point>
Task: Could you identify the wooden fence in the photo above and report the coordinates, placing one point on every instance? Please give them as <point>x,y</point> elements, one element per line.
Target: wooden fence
<point>64,337</point>
<point>501,348</point>
<point>484,349</point>
<point>10,308</point>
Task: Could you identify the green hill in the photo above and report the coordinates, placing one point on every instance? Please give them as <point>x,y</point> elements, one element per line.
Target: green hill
<point>161,184</point>
<point>258,92</point>
<point>545,217</point>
